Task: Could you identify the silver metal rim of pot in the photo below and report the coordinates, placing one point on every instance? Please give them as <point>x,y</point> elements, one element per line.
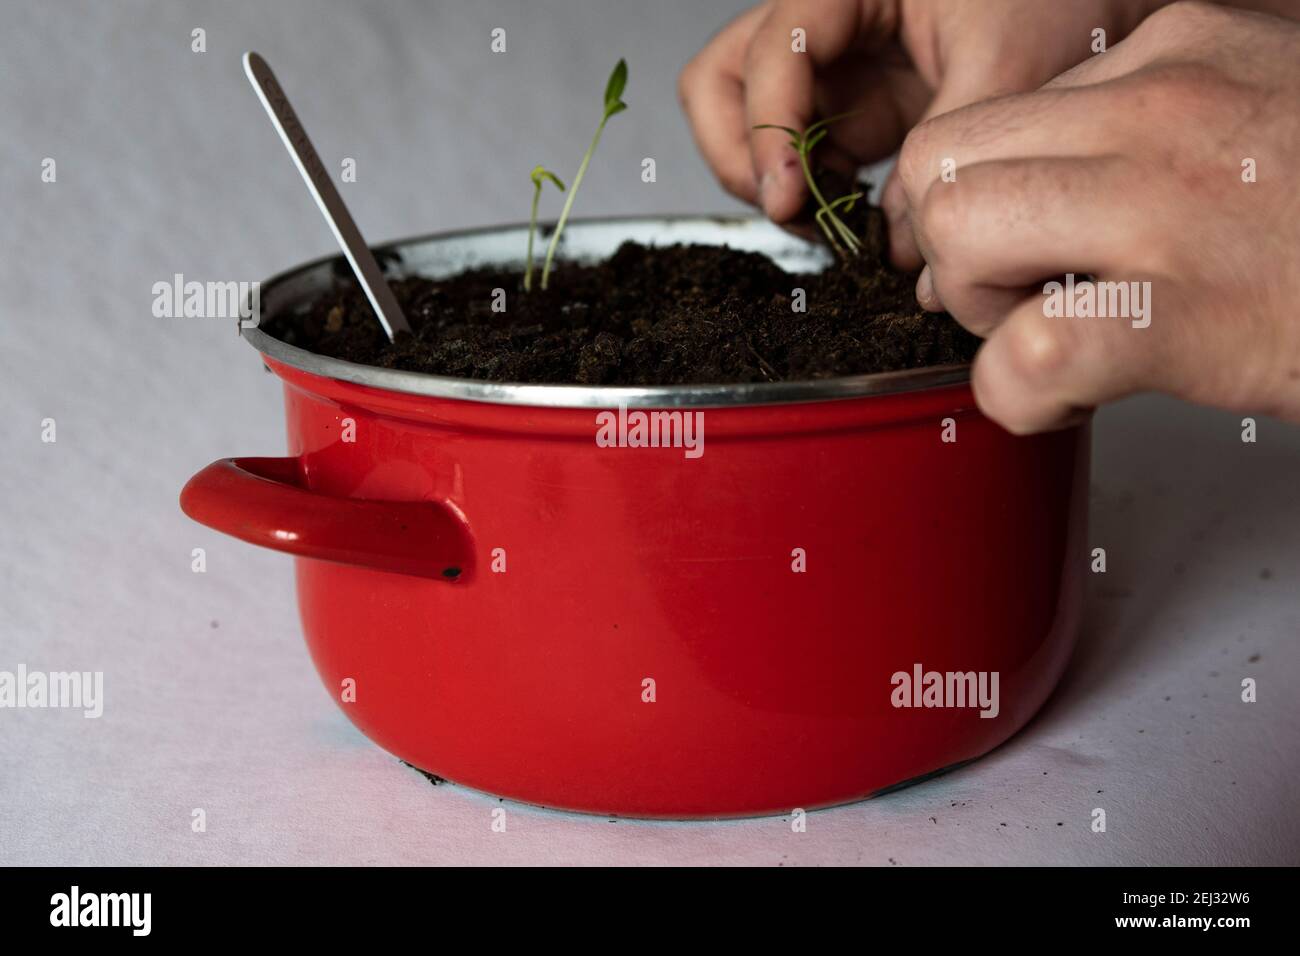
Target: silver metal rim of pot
<point>448,252</point>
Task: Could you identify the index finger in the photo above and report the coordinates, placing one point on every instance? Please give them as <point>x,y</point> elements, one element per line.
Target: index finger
<point>780,66</point>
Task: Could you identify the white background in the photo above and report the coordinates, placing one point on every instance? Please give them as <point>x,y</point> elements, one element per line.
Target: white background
<point>166,164</point>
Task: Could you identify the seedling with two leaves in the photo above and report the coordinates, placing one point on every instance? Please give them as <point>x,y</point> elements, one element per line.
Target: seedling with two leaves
<point>847,244</point>
<point>538,176</point>
<point>613,104</point>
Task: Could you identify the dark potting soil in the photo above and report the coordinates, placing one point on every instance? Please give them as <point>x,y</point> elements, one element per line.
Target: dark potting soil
<point>669,315</point>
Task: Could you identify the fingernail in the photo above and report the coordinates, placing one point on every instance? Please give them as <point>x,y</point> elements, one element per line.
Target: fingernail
<point>925,293</point>
<point>769,193</point>
<point>773,185</point>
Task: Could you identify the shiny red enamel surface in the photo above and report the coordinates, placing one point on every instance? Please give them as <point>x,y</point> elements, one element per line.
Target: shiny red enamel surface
<point>772,688</point>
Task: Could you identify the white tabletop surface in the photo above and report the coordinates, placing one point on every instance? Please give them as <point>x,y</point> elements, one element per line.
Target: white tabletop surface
<point>166,164</point>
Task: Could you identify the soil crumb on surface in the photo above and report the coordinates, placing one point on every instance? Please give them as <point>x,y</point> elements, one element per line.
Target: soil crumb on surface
<point>433,778</point>
<point>662,315</point>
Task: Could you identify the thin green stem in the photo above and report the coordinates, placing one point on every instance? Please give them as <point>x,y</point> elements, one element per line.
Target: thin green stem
<point>532,230</point>
<point>845,232</point>
<point>568,203</point>
<point>820,216</point>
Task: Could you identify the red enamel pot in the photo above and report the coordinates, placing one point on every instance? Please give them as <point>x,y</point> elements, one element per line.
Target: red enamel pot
<point>497,597</point>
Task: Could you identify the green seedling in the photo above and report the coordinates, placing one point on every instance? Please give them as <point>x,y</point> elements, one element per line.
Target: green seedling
<point>538,175</point>
<point>613,104</point>
<point>832,225</point>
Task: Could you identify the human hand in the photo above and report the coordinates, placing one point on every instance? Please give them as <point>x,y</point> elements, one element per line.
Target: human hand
<point>1166,161</point>
<point>891,63</point>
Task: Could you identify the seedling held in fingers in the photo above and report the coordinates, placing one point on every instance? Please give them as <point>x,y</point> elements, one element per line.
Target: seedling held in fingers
<point>847,244</point>
<point>538,175</point>
<point>613,104</point>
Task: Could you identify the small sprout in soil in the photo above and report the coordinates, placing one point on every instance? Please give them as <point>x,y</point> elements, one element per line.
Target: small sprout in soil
<point>832,225</point>
<point>613,104</point>
<point>538,174</point>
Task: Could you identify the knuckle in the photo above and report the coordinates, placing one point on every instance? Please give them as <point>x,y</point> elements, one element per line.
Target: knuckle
<point>1188,91</point>
<point>1038,351</point>
<point>1184,82</point>
<point>1196,12</point>
<point>1174,22</point>
<point>914,159</point>
<point>944,217</point>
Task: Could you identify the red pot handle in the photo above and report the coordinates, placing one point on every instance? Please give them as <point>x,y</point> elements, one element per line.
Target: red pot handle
<point>262,501</point>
